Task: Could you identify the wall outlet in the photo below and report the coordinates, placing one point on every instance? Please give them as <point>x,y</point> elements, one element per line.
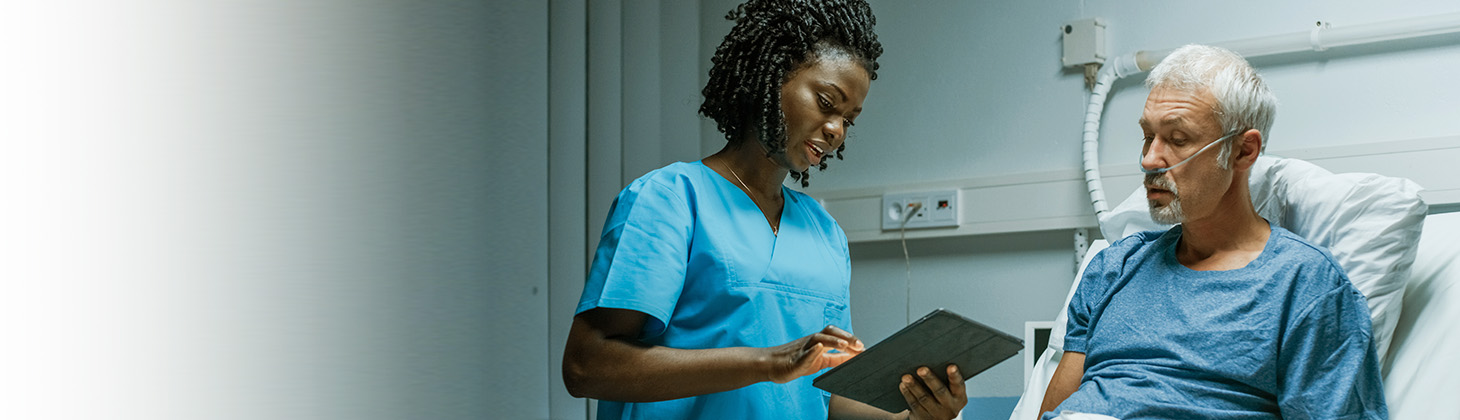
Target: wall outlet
<point>924,209</point>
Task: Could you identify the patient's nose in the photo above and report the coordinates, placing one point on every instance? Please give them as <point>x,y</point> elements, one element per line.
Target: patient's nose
<point>1151,155</point>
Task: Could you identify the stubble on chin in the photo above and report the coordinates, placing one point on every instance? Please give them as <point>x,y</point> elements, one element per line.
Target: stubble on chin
<point>1170,213</point>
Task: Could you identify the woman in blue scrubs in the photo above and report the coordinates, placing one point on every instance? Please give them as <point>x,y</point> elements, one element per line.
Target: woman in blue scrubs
<point>716,292</point>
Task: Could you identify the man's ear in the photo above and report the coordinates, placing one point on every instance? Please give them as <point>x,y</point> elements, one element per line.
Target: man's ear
<point>1249,145</point>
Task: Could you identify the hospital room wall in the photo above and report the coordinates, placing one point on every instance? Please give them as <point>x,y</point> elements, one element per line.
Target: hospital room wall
<point>972,89</point>
<point>275,209</point>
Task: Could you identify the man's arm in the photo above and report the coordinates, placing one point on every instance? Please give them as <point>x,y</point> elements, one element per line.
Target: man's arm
<point>1065,381</point>
<point>1330,368</point>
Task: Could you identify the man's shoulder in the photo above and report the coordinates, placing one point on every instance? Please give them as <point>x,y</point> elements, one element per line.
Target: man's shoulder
<point>1284,249</point>
<point>1138,241</point>
<point>1289,248</point>
<point>1132,249</point>
<point>1310,270</point>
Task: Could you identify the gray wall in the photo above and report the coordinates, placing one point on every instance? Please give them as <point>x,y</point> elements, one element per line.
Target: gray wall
<point>245,210</point>
<point>973,89</point>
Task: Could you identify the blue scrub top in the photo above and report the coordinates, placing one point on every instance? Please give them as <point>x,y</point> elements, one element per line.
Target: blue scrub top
<point>688,248</point>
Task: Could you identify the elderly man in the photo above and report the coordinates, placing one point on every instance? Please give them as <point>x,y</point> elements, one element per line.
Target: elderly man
<point>1224,316</point>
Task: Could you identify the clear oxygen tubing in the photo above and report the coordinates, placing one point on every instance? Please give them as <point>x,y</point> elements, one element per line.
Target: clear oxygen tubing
<point>1321,37</point>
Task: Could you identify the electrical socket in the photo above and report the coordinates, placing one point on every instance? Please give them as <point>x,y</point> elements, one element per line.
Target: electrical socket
<point>924,209</point>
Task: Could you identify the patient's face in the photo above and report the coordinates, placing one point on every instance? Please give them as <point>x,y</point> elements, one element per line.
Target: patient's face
<point>1176,125</point>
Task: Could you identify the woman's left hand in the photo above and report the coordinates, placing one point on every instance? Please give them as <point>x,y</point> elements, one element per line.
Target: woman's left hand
<point>931,399</point>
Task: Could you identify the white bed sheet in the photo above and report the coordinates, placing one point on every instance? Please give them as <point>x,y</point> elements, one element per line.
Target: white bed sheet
<point>1422,374</point>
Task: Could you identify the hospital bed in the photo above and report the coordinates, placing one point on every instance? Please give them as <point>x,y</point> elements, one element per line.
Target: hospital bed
<point>1406,263</point>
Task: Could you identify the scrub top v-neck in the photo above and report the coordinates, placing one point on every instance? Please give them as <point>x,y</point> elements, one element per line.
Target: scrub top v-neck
<point>690,249</point>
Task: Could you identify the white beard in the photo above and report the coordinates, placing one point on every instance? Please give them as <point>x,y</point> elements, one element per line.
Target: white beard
<point>1170,213</point>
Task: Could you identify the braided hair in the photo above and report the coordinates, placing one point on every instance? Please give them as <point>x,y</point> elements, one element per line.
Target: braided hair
<point>770,40</point>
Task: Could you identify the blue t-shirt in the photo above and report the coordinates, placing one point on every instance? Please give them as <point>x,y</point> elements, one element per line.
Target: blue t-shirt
<point>692,251</point>
<point>1287,336</point>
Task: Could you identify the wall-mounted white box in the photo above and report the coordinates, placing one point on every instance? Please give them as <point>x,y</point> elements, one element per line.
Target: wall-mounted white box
<point>1084,42</point>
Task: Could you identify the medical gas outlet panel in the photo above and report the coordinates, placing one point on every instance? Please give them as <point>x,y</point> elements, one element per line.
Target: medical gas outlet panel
<point>926,209</point>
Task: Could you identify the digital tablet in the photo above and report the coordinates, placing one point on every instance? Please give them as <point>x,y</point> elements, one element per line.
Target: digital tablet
<point>938,339</point>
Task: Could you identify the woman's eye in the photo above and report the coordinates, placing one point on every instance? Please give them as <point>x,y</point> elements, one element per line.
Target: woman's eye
<point>825,103</point>
<point>850,123</point>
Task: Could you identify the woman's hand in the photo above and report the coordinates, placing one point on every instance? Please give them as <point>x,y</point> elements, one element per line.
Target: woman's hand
<point>931,399</point>
<point>812,353</point>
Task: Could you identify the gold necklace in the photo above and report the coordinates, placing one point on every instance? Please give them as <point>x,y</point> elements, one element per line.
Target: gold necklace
<point>775,230</point>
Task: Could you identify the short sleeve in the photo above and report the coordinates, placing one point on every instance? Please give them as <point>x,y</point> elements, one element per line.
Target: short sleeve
<point>1328,365</point>
<point>643,255</point>
<point>1077,329</point>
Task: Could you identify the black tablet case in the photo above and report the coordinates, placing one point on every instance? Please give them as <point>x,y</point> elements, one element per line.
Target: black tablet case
<point>939,338</point>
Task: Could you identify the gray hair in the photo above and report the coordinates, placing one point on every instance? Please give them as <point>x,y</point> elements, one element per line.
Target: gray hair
<point>1243,100</point>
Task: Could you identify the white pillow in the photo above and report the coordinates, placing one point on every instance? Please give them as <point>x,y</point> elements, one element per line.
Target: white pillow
<point>1370,223</point>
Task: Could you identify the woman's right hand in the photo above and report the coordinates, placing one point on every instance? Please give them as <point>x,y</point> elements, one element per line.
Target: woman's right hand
<point>812,353</point>
<point>604,359</point>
